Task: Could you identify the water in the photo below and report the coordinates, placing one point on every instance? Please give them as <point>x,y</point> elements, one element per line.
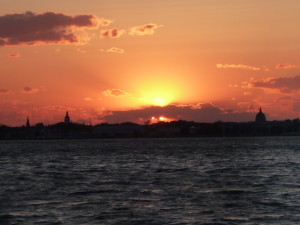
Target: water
<point>151,181</point>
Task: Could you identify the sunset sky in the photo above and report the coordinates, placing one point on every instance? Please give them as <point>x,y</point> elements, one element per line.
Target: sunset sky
<point>131,60</point>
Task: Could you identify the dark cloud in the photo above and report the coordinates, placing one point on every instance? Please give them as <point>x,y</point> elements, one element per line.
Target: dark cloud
<point>145,29</point>
<point>283,84</point>
<point>112,33</point>
<point>29,90</point>
<point>49,27</point>
<point>201,113</point>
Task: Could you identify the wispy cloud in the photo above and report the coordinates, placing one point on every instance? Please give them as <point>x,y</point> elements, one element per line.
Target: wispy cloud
<point>239,66</point>
<point>146,29</point>
<point>115,50</point>
<point>45,28</point>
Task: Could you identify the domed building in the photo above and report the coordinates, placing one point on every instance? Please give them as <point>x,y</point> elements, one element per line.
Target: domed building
<point>260,117</point>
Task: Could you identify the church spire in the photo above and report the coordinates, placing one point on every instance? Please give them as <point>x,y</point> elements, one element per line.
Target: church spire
<point>67,118</point>
<point>27,122</point>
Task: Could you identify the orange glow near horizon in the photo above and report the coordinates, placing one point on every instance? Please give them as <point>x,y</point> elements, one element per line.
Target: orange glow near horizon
<point>160,119</point>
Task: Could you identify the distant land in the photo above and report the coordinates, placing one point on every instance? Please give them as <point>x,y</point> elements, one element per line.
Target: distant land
<point>174,129</point>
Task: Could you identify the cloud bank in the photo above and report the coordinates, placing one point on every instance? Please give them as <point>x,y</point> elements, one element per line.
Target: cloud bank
<point>45,28</point>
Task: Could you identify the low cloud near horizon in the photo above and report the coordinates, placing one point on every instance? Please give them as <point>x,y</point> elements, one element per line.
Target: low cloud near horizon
<point>203,113</point>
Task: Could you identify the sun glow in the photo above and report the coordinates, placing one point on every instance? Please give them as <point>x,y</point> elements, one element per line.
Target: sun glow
<point>158,92</point>
<point>160,101</point>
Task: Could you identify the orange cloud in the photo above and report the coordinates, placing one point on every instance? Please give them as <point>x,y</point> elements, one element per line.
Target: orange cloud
<point>29,90</point>
<point>146,29</point>
<point>45,28</point>
<point>283,84</point>
<point>112,33</point>
<point>237,66</point>
<point>286,66</point>
<point>115,50</point>
<point>114,93</point>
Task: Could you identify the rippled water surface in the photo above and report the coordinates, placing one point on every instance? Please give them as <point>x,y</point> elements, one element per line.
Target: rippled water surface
<point>151,181</point>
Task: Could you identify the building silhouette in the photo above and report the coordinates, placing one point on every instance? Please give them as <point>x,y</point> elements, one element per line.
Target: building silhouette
<point>67,118</point>
<point>260,117</point>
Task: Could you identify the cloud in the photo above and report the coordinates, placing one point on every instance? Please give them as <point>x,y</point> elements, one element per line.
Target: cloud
<point>146,29</point>
<point>201,113</point>
<point>4,91</point>
<point>29,90</point>
<point>88,99</point>
<point>239,66</point>
<point>112,33</point>
<point>114,93</point>
<point>283,84</point>
<point>286,66</point>
<point>45,28</point>
<point>81,50</point>
<point>115,50</point>
<point>15,55</point>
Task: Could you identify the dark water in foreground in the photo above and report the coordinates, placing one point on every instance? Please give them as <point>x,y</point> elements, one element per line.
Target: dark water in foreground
<point>151,181</point>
